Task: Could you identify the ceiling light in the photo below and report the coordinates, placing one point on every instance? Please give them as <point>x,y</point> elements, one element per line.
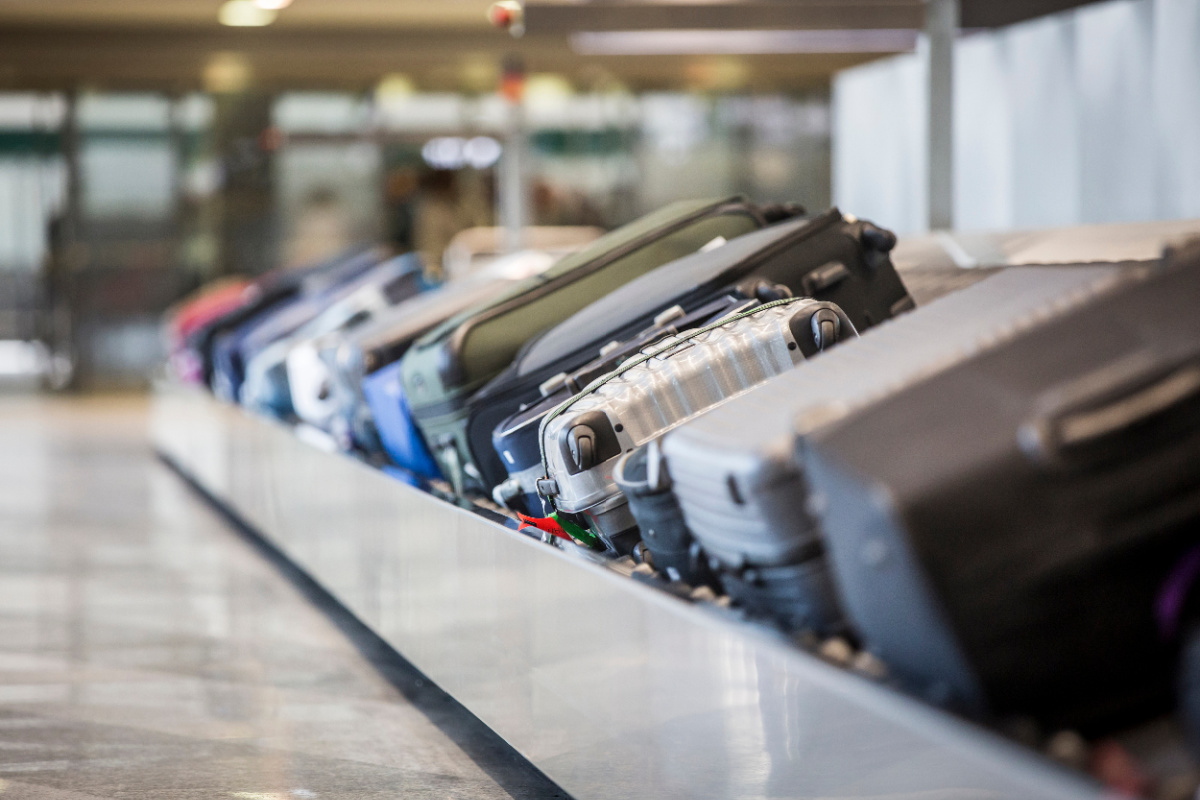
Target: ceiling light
<point>712,42</point>
<point>227,73</point>
<point>273,5</point>
<point>454,152</point>
<point>245,14</point>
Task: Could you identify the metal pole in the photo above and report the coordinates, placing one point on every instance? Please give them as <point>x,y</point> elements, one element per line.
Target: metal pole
<point>941,25</point>
<point>513,194</point>
<point>512,187</point>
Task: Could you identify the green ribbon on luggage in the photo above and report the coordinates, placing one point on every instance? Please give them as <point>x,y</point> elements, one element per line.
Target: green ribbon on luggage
<point>577,532</point>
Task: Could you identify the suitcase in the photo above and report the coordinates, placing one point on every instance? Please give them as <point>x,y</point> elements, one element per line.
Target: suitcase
<point>1003,533</point>
<point>392,423</point>
<point>266,386</point>
<point>199,310</point>
<point>332,398</point>
<point>303,297</point>
<point>738,486</point>
<point>517,440</point>
<point>269,291</point>
<point>670,382</point>
<point>829,256</point>
<point>448,365</point>
<point>667,545</point>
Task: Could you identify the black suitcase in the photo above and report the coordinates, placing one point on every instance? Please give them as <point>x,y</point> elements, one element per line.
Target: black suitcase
<point>1001,533</point>
<point>829,256</point>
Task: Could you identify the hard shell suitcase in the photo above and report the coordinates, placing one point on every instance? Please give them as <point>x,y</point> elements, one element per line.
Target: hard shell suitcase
<point>1003,534</point>
<point>265,387</point>
<point>517,439</point>
<point>444,368</point>
<point>672,381</point>
<point>233,348</point>
<point>741,492</point>
<point>332,397</point>
<point>667,545</point>
<point>828,256</point>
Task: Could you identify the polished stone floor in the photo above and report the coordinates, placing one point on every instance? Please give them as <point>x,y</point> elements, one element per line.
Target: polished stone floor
<point>148,649</point>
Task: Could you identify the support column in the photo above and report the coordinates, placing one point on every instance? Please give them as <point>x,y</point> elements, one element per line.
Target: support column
<point>514,209</point>
<point>941,26</point>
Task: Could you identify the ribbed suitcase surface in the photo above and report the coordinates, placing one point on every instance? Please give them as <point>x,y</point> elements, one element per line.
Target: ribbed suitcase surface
<point>676,380</point>
<point>734,475</point>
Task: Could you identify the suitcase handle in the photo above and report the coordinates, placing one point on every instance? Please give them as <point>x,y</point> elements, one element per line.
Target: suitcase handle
<point>1102,407</point>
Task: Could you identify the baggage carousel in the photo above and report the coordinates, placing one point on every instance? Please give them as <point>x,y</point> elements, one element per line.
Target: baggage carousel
<point>612,688</point>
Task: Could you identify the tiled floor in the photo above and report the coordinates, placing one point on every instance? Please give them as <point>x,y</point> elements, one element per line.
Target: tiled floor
<point>149,650</point>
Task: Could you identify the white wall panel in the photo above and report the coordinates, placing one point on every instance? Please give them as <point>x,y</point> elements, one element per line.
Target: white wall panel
<point>1089,116</point>
<point>1114,66</point>
<point>879,130</point>
<point>1177,106</point>
<point>1045,121</point>
<point>983,137</point>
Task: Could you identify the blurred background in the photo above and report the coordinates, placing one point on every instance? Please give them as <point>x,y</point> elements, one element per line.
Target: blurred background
<point>147,147</point>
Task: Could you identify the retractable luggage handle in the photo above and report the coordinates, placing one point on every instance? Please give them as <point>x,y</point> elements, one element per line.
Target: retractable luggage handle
<point>673,344</point>
<point>1100,407</point>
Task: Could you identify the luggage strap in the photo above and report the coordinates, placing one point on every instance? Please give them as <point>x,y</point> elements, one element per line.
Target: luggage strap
<point>562,407</point>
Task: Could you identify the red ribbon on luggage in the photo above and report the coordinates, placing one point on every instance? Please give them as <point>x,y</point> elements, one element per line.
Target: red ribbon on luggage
<point>547,524</point>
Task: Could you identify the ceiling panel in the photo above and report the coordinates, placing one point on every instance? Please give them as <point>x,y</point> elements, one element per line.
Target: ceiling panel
<point>203,13</point>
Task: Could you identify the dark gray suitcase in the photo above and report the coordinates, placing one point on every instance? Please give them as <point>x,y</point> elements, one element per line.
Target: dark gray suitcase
<point>740,490</point>
<point>1002,534</point>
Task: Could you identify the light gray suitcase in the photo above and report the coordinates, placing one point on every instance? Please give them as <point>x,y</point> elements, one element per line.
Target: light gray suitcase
<point>734,471</point>
<point>671,382</point>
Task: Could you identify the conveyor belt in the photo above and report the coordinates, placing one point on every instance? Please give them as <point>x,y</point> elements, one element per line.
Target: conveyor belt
<point>611,688</point>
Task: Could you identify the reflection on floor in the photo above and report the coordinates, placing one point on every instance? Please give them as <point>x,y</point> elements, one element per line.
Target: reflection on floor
<point>148,650</point>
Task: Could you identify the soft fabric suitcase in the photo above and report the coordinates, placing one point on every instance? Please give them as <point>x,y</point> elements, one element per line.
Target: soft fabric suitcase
<point>829,256</point>
<point>314,288</point>
<point>739,488</point>
<point>446,367</point>
<point>267,292</point>
<point>266,385</point>
<point>1003,534</point>
<point>391,421</point>
<point>210,303</point>
<point>331,397</point>
<point>672,381</point>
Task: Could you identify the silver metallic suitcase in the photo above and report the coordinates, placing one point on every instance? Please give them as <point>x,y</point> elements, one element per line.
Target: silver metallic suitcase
<point>734,473</point>
<point>671,382</point>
